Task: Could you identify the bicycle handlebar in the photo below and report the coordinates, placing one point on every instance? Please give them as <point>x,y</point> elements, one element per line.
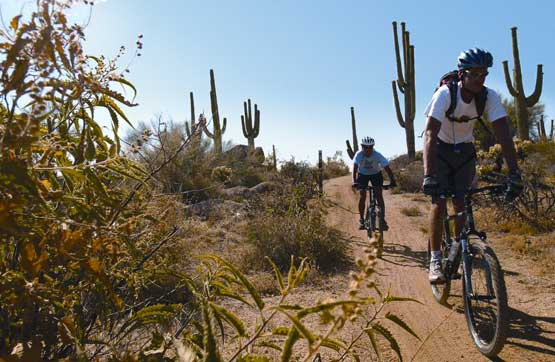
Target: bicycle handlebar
<point>495,188</point>
<point>370,187</point>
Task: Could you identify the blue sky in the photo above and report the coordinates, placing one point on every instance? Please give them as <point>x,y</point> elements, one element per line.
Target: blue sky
<point>305,63</point>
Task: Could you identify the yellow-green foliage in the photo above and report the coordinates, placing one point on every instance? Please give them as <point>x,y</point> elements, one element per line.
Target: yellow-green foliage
<point>71,252</point>
<point>534,210</point>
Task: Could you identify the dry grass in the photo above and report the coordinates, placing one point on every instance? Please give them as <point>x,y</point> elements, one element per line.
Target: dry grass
<point>411,211</point>
<point>539,249</point>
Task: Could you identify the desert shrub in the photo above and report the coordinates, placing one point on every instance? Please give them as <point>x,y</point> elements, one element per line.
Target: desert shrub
<point>73,221</point>
<point>536,205</point>
<point>281,225</point>
<point>409,178</point>
<point>335,166</point>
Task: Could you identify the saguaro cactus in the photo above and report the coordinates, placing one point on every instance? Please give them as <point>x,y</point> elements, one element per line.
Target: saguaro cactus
<point>219,129</point>
<point>522,103</point>
<point>551,131</point>
<point>249,131</point>
<point>274,159</point>
<point>406,86</point>
<point>352,151</point>
<point>541,129</point>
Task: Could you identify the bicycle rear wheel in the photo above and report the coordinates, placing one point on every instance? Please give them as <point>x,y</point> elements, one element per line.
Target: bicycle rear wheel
<point>486,310</point>
<point>441,291</point>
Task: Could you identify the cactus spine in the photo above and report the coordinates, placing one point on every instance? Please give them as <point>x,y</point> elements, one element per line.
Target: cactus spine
<point>406,86</point>
<point>522,103</point>
<point>249,131</point>
<point>219,130</point>
<point>352,151</point>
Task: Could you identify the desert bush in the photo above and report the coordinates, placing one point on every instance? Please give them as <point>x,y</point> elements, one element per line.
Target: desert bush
<point>409,178</point>
<point>281,225</point>
<point>536,205</point>
<point>72,215</point>
<point>335,166</point>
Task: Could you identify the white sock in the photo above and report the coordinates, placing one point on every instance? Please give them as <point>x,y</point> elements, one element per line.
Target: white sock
<point>436,255</point>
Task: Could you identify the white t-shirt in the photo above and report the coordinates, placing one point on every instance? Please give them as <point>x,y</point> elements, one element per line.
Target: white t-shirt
<point>370,165</point>
<point>457,132</point>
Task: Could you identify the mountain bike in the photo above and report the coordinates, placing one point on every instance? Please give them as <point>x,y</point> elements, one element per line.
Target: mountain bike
<point>374,212</point>
<point>484,292</point>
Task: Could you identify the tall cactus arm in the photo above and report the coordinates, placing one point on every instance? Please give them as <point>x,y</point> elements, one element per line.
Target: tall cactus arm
<point>208,133</point>
<point>192,100</point>
<point>223,127</point>
<point>350,151</point>
<point>508,80</point>
<point>516,55</point>
<point>551,131</point>
<point>412,84</point>
<point>397,105</point>
<point>256,129</point>
<point>535,97</point>
<point>244,127</point>
<point>400,79</point>
<point>187,130</point>
<point>354,129</point>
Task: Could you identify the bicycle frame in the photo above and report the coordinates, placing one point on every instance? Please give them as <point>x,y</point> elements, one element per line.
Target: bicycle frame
<point>463,246</point>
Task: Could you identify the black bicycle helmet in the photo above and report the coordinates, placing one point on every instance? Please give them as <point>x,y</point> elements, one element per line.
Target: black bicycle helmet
<point>475,58</point>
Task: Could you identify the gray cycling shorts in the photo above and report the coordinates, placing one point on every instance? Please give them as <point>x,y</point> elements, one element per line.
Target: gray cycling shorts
<point>456,166</point>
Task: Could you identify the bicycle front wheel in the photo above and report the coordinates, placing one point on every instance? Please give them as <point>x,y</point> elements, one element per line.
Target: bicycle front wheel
<point>486,308</point>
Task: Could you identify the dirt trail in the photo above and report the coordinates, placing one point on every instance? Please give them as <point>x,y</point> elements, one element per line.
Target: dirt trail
<point>531,297</point>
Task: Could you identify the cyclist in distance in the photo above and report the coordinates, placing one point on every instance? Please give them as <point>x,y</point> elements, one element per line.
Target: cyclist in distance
<point>367,167</point>
<point>449,154</point>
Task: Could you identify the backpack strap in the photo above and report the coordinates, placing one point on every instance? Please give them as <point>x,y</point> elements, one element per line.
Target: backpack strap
<point>453,89</point>
<point>479,100</point>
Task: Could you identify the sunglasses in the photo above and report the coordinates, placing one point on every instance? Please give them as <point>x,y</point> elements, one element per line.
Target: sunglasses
<point>472,74</point>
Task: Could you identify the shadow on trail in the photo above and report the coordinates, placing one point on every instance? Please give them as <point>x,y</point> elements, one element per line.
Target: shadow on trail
<point>527,332</point>
<point>402,255</point>
<point>525,328</point>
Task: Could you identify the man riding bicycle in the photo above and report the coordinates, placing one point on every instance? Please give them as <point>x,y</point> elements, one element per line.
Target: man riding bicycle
<point>449,154</point>
<point>367,167</point>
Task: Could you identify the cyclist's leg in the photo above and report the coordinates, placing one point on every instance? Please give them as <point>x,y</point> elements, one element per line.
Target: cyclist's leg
<point>362,181</point>
<point>377,183</point>
<point>436,223</point>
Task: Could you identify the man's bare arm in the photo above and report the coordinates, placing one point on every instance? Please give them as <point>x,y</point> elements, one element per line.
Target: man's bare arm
<point>430,145</point>
<point>503,135</point>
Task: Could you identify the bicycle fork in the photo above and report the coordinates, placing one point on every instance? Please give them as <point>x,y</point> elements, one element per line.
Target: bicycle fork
<point>467,267</point>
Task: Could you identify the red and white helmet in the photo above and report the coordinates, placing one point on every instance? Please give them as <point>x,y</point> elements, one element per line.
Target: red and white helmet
<point>367,142</point>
